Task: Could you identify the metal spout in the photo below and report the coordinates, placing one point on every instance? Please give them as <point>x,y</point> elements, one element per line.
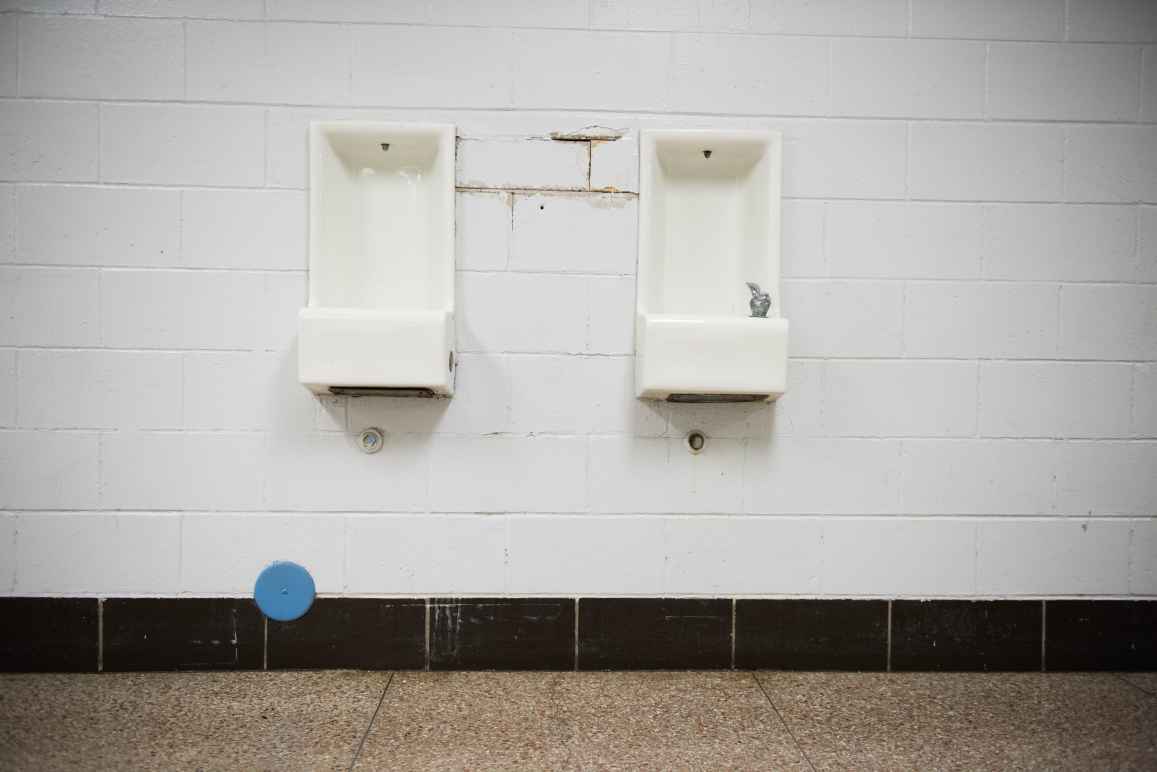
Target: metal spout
<point>760,301</point>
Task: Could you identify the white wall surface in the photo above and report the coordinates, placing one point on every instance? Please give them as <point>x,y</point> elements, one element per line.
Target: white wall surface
<point>970,271</point>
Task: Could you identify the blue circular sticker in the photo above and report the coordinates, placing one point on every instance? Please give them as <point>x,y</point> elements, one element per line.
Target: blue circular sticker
<point>284,591</point>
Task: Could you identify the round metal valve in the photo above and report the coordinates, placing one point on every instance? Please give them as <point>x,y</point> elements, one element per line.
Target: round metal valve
<point>371,440</point>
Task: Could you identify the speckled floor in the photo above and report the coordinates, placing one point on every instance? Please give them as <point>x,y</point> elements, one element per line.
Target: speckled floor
<point>708,720</point>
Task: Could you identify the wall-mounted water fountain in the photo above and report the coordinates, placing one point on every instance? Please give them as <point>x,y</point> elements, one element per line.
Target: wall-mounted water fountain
<point>380,318</point>
<point>708,324</point>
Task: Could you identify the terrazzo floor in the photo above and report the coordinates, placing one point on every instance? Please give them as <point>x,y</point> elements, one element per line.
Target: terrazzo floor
<point>620,720</point>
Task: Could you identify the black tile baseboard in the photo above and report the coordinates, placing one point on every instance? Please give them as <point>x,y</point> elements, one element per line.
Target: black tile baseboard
<point>49,635</point>
<point>654,634</point>
<point>502,634</point>
<point>811,634</point>
<point>966,635</point>
<point>351,633</point>
<point>183,634</point>
<point>125,634</point>
<point>1101,635</point>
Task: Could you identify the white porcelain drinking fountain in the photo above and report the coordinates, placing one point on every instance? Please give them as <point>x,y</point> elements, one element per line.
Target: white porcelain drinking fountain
<point>708,324</point>
<point>380,317</point>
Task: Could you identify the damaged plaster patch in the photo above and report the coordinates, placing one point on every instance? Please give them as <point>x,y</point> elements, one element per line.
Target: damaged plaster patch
<point>588,134</point>
<point>614,165</point>
<point>610,200</point>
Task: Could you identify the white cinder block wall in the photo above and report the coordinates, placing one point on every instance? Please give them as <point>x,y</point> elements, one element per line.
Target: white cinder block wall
<point>970,271</point>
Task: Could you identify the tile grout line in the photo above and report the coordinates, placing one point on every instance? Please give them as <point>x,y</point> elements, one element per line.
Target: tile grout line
<point>1141,85</point>
<point>1138,687</point>
<point>100,635</point>
<point>800,279</point>
<point>616,113</point>
<point>16,375</point>
<point>778,715</point>
<point>369,726</point>
<point>1043,633</point>
<point>99,121</point>
<point>888,649</point>
<point>584,26</point>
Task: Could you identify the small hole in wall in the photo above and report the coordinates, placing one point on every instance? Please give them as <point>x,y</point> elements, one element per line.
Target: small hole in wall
<point>385,146</point>
<point>706,153</point>
<point>696,441</point>
<point>540,206</point>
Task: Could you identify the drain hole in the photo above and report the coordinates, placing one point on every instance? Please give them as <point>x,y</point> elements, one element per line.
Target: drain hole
<point>696,441</point>
<point>371,440</point>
